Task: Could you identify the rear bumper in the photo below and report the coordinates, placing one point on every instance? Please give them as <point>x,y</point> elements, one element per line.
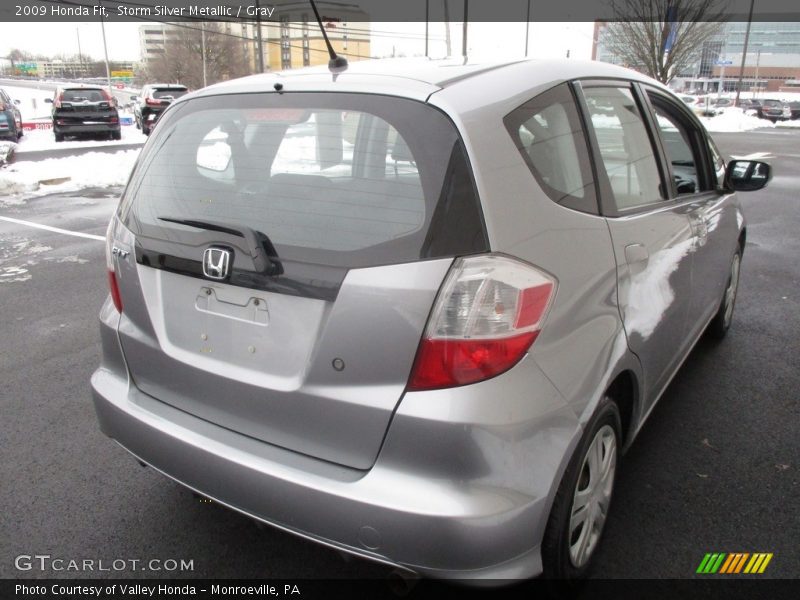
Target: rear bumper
<point>446,498</point>
<point>74,129</point>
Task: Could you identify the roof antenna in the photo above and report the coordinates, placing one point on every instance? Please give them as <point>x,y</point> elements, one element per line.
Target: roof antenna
<point>337,63</point>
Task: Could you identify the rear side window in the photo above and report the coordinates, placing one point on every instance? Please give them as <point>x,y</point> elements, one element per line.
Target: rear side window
<point>548,133</point>
<point>626,151</point>
<point>334,179</point>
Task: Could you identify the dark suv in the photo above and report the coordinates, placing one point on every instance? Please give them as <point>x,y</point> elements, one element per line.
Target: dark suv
<point>85,110</point>
<point>154,98</point>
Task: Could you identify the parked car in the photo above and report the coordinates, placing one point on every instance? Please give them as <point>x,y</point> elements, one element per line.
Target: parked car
<point>749,104</point>
<point>720,103</point>
<point>152,101</point>
<point>85,111</point>
<point>427,346</point>
<point>10,117</point>
<point>775,110</point>
<point>704,106</point>
<point>794,107</point>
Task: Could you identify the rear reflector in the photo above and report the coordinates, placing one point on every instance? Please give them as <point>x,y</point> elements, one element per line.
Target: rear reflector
<point>113,287</point>
<point>488,313</point>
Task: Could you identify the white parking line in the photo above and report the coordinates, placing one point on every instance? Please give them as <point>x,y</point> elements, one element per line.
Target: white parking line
<point>90,236</point>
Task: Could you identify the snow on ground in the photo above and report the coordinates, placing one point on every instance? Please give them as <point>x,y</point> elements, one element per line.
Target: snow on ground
<point>93,169</point>
<point>735,119</point>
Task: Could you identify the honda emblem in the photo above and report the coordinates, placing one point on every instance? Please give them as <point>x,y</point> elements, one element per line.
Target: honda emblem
<point>216,263</point>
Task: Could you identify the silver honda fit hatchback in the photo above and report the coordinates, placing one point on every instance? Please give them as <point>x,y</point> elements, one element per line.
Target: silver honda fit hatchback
<point>415,311</point>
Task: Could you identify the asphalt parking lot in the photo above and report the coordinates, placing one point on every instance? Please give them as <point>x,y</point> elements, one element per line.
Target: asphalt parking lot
<point>716,468</point>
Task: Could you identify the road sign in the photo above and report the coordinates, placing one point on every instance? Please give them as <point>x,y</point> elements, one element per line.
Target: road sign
<point>122,74</point>
<point>722,63</point>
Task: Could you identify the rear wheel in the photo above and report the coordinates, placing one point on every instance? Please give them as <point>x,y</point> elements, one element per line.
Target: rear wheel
<point>581,506</point>
<point>116,135</point>
<point>722,320</point>
<point>59,137</point>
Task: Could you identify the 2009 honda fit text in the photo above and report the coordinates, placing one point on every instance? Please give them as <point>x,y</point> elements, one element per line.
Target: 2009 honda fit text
<point>416,310</point>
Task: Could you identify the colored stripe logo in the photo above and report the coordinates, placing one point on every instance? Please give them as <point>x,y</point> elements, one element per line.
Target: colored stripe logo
<point>734,563</point>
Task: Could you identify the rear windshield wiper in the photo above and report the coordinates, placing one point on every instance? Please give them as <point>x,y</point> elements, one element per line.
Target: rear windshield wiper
<point>265,257</point>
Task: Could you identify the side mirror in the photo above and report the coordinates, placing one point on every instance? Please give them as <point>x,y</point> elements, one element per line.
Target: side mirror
<point>747,175</point>
<point>48,100</point>
<point>17,102</point>
<point>134,98</point>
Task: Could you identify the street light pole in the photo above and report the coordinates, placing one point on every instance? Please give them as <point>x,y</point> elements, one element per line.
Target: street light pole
<point>105,51</point>
<point>744,52</point>
<point>80,54</point>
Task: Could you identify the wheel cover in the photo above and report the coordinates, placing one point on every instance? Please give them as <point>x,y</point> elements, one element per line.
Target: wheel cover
<point>592,496</point>
<point>730,293</point>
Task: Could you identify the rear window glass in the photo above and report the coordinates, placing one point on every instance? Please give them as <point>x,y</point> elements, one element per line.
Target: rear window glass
<point>82,96</point>
<point>169,93</point>
<point>335,179</point>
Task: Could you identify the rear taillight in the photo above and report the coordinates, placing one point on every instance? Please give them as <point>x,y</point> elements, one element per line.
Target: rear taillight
<point>488,313</point>
<point>113,286</point>
<point>153,102</point>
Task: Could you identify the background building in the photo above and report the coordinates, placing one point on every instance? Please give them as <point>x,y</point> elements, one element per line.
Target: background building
<point>772,63</point>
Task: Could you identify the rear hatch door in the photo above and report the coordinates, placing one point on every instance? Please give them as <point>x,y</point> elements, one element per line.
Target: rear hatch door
<point>85,107</point>
<point>285,252</point>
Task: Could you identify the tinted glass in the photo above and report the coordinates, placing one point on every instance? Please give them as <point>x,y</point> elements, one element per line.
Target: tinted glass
<point>548,133</point>
<point>83,95</point>
<point>168,92</point>
<point>625,147</point>
<point>337,179</point>
<point>679,136</point>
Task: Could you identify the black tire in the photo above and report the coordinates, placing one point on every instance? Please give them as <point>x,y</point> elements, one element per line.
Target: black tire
<point>136,122</point>
<point>59,137</point>
<point>558,552</point>
<point>116,135</point>
<point>719,325</point>
<point>145,129</point>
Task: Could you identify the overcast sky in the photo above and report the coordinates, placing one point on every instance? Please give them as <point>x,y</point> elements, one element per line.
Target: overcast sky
<point>485,40</point>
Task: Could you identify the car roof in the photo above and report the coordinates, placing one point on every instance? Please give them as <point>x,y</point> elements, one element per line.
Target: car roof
<point>419,78</point>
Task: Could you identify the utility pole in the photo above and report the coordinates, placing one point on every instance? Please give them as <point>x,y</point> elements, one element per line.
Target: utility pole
<point>527,27</point>
<point>447,28</point>
<point>744,52</point>
<point>259,48</point>
<point>203,50</point>
<point>427,20</point>
<point>464,40</point>
<point>80,54</point>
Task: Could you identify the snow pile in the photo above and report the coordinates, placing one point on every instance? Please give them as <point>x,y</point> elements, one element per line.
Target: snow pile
<point>43,139</point>
<point>6,150</point>
<point>735,119</point>
<point>93,169</point>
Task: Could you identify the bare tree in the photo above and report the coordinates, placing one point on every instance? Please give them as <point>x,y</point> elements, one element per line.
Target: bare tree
<point>182,60</point>
<point>642,31</point>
